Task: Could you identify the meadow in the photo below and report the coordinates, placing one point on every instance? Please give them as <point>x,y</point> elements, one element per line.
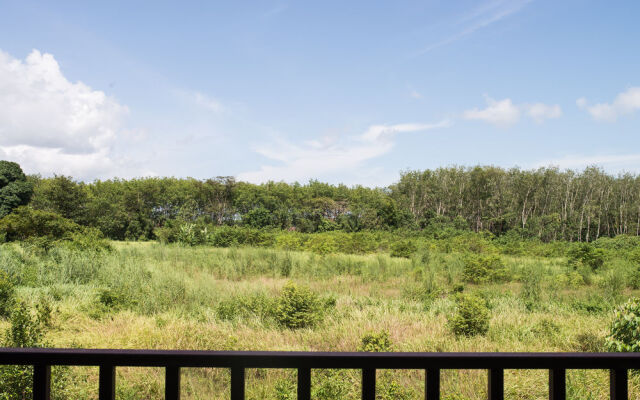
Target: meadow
<point>174,296</point>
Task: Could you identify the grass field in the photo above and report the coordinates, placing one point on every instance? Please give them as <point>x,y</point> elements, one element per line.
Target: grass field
<point>150,295</point>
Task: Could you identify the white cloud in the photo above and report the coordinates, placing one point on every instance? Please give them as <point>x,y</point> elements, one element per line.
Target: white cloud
<point>505,113</point>
<point>625,103</point>
<point>502,113</point>
<point>540,111</point>
<point>50,125</point>
<point>318,158</point>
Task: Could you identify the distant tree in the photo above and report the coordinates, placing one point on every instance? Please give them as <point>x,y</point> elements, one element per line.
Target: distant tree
<point>15,190</point>
<point>61,195</point>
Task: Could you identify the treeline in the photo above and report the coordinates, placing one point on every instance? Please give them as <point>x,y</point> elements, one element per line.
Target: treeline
<point>546,203</point>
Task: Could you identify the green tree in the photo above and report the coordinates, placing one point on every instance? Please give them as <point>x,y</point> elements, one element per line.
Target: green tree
<point>15,190</point>
<point>61,195</point>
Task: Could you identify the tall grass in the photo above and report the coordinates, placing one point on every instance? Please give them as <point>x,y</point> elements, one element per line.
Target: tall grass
<point>149,295</point>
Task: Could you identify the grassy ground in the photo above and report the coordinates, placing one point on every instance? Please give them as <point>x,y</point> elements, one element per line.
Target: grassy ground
<point>148,295</point>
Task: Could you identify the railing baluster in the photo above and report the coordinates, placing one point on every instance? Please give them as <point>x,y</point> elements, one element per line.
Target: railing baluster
<point>557,384</point>
<point>237,383</point>
<point>368,384</point>
<point>41,382</point>
<point>496,384</point>
<point>172,383</point>
<point>432,384</point>
<point>107,382</point>
<point>618,381</point>
<point>304,383</point>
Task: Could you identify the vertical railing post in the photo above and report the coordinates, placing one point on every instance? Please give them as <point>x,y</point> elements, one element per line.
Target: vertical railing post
<point>304,383</point>
<point>237,383</point>
<point>618,384</point>
<point>172,383</point>
<point>41,382</point>
<point>368,384</point>
<point>432,384</point>
<point>107,383</point>
<point>557,384</point>
<point>496,384</point>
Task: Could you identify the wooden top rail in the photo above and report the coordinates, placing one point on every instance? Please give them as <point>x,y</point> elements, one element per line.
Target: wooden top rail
<point>238,361</point>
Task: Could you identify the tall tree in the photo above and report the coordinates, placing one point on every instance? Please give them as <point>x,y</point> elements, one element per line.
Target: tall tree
<point>15,190</point>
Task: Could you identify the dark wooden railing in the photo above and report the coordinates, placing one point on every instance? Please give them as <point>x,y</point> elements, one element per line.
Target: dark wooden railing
<point>238,361</point>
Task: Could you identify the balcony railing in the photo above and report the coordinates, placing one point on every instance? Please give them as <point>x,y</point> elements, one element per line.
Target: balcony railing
<point>238,361</point>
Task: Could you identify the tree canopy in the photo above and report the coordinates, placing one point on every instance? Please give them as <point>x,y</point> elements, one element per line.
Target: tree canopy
<point>15,190</point>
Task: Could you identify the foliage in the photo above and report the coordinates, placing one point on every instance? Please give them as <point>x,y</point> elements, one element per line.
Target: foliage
<point>472,316</point>
<point>586,254</point>
<point>25,222</point>
<point>297,307</point>
<point>15,190</point>
<point>624,333</point>
<point>404,248</point>
<point>7,294</point>
<point>376,342</point>
<point>28,330</point>
<point>483,269</point>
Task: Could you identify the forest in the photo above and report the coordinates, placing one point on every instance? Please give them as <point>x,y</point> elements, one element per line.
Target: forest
<point>546,203</point>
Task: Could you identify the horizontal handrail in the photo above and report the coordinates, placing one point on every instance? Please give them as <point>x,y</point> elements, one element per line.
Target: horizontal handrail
<point>618,365</point>
<point>337,360</point>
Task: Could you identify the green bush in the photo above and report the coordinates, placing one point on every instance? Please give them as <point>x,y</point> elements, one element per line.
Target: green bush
<point>376,342</point>
<point>297,307</point>
<point>403,248</point>
<point>191,235</point>
<point>624,333</point>
<point>586,254</point>
<point>471,317</point>
<point>24,223</point>
<point>483,269</point>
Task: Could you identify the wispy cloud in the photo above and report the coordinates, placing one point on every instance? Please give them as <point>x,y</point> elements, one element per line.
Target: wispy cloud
<point>505,113</point>
<point>325,156</point>
<point>485,15</point>
<point>625,103</point>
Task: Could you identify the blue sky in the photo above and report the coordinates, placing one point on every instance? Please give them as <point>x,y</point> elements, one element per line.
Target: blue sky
<point>350,92</point>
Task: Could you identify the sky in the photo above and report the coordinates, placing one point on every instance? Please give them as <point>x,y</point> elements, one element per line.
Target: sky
<point>344,92</point>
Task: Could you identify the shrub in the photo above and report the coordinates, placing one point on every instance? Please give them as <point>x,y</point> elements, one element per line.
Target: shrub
<point>297,307</point>
<point>625,328</point>
<point>403,248</point>
<point>531,289</point>
<point>483,269</point>
<point>471,317</point>
<point>375,342</point>
<point>586,254</point>
<point>24,223</point>
<point>191,235</point>
<point>322,244</point>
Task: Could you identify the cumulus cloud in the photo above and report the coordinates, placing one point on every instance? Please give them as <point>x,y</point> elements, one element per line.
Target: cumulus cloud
<point>505,113</point>
<point>316,158</point>
<point>625,103</point>
<point>50,125</point>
